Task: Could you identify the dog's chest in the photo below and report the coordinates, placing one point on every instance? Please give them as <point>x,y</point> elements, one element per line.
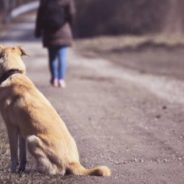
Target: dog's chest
<point>7,99</point>
<point>8,110</point>
<point>6,105</point>
<point>8,102</point>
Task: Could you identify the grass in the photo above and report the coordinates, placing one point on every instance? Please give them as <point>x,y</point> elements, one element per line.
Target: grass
<point>106,43</point>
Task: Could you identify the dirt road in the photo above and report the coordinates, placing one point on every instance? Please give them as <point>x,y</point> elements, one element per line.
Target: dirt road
<point>127,120</point>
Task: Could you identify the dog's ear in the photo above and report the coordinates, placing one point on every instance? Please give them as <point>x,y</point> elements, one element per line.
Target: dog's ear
<point>22,51</point>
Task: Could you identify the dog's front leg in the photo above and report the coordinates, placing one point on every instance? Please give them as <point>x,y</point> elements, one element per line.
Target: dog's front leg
<point>13,140</point>
<point>22,154</point>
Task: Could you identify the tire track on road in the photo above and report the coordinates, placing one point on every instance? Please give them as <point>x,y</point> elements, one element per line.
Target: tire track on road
<point>163,87</point>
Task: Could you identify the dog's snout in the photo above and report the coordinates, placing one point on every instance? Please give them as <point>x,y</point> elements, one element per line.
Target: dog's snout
<point>1,54</point>
<point>1,57</point>
<point>1,60</point>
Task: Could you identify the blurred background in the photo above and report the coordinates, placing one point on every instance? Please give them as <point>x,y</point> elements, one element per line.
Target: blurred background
<point>129,17</point>
<point>117,17</point>
<point>126,74</point>
<point>146,35</point>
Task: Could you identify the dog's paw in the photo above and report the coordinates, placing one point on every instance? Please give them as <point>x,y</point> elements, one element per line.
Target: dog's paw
<point>22,167</point>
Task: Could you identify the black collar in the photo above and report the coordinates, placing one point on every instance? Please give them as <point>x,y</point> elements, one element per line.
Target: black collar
<point>8,74</point>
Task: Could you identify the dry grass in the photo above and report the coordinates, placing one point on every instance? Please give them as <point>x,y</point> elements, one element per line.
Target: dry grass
<point>106,43</point>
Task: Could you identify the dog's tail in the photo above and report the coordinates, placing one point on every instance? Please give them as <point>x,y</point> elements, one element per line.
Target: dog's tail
<point>77,169</point>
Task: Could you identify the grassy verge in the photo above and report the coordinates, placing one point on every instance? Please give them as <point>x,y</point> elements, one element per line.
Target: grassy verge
<point>153,54</point>
<point>110,43</point>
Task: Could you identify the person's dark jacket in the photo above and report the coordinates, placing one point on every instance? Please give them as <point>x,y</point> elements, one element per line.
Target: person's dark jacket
<point>62,36</point>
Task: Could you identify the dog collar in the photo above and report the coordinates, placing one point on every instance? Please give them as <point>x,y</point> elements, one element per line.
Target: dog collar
<point>8,74</point>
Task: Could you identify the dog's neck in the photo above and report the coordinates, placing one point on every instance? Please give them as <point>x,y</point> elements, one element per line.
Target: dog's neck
<point>8,73</point>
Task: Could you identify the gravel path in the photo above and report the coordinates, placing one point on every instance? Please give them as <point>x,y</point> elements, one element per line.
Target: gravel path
<point>130,121</point>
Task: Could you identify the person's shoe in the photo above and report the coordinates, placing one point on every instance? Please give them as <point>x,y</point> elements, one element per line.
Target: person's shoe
<point>61,83</point>
<point>54,83</point>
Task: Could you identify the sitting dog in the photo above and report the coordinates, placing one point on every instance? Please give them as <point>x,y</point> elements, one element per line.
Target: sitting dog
<point>33,122</point>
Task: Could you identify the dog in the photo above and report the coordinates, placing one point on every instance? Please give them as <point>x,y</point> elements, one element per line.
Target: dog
<point>33,123</point>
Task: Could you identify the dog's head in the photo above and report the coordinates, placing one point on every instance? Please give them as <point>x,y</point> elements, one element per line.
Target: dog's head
<point>10,58</point>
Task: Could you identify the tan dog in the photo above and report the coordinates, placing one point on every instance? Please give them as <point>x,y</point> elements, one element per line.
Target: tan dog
<point>30,118</point>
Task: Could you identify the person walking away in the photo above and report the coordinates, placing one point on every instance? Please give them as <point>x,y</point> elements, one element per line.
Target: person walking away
<point>54,25</point>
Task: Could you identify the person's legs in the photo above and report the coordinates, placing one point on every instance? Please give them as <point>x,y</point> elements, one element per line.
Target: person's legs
<point>53,64</point>
<point>62,59</point>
